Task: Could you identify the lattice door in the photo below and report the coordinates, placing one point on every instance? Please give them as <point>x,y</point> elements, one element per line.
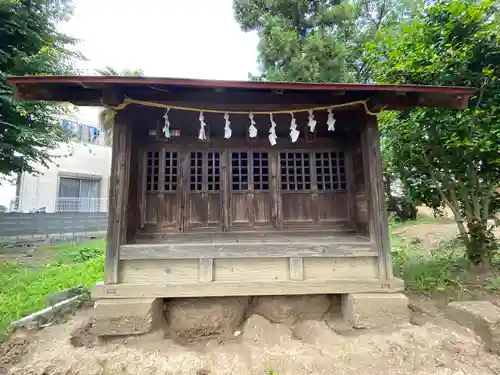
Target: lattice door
<point>204,194</point>
<point>161,189</point>
<point>296,187</point>
<point>250,195</point>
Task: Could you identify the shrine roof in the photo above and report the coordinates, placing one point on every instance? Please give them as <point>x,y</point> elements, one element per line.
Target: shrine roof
<point>111,90</point>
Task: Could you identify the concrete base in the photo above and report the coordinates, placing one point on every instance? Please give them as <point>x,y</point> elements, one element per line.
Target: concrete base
<point>131,316</point>
<point>375,310</point>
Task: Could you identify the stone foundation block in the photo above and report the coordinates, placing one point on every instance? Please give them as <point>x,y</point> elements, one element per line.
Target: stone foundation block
<point>375,310</point>
<point>191,319</point>
<point>482,317</point>
<point>133,316</point>
<point>291,309</point>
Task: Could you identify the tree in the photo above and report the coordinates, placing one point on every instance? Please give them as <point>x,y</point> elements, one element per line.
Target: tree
<point>316,40</point>
<point>399,202</point>
<point>107,115</point>
<point>298,38</point>
<point>371,16</point>
<point>31,45</point>
<point>448,157</point>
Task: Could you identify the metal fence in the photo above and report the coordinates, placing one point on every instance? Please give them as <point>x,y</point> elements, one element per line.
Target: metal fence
<point>59,204</point>
<point>81,205</point>
<point>16,226</point>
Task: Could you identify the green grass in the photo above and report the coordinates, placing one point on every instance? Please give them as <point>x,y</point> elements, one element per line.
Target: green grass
<point>440,272</point>
<point>23,289</point>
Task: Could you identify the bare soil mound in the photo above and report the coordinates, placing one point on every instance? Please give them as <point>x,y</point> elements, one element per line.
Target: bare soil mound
<point>310,347</point>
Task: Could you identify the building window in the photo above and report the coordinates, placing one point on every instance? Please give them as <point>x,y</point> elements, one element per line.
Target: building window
<point>330,170</point>
<point>78,195</point>
<point>295,168</point>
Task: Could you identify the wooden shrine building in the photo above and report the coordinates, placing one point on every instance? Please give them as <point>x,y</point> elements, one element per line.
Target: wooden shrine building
<point>203,204</point>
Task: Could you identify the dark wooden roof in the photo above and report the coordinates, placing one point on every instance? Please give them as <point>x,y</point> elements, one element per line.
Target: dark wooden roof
<point>96,90</point>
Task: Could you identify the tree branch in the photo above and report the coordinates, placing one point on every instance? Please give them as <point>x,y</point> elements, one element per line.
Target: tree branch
<point>476,185</point>
<point>481,91</point>
<point>452,204</point>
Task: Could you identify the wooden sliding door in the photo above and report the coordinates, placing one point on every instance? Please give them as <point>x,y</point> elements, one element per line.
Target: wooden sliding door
<point>161,206</point>
<point>203,206</point>
<point>234,189</point>
<point>312,187</point>
<point>250,198</point>
<point>332,199</point>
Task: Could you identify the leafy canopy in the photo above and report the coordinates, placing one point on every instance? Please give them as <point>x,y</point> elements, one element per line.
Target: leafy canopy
<point>448,156</point>
<point>31,45</point>
<point>316,40</point>
<point>298,38</point>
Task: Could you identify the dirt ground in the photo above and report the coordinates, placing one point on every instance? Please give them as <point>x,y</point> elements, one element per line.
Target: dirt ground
<point>431,235</point>
<point>434,346</point>
<point>430,344</point>
<point>28,256</point>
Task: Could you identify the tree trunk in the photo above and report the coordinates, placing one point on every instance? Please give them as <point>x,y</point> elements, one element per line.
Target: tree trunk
<point>480,243</point>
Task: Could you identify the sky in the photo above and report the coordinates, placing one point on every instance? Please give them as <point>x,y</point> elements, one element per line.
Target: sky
<point>165,38</point>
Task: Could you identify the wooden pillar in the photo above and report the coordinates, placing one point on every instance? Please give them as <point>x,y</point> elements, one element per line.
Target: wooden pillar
<point>118,199</point>
<point>133,189</point>
<point>377,212</point>
<point>351,187</point>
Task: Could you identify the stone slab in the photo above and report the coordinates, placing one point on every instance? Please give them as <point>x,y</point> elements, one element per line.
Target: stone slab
<point>374,310</point>
<point>191,319</point>
<point>482,317</point>
<point>134,316</point>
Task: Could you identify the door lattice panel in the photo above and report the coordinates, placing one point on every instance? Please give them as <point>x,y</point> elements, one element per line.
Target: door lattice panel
<point>213,169</point>
<point>330,170</point>
<point>152,170</point>
<point>260,162</point>
<point>196,173</point>
<point>239,170</point>
<point>171,169</point>
<point>295,168</point>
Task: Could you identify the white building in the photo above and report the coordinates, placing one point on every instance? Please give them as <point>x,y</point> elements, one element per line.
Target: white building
<point>78,180</point>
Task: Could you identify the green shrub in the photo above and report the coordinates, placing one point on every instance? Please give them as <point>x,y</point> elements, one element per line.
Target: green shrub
<point>437,271</point>
<point>82,254</point>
